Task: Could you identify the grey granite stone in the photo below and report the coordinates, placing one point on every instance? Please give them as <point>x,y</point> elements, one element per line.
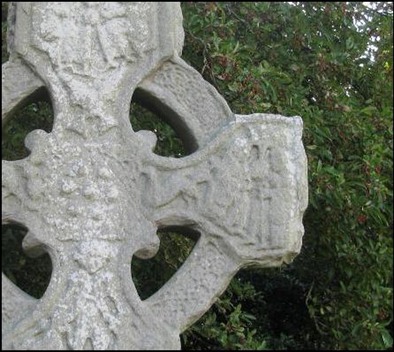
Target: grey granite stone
<point>93,194</point>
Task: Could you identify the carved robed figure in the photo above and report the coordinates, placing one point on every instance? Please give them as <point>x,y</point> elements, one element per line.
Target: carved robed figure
<point>92,193</point>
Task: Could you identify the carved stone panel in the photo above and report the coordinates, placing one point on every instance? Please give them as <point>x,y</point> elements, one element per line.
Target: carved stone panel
<point>93,194</point>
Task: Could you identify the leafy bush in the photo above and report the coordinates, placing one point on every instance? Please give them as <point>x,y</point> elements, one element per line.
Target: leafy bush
<point>331,64</point>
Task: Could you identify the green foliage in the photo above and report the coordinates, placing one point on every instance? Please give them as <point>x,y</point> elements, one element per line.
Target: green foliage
<point>32,275</point>
<point>151,274</point>
<point>316,60</point>
<point>226,325</point>
<point>37,115</point>
<point>168,143</point>
<point>330,63</point>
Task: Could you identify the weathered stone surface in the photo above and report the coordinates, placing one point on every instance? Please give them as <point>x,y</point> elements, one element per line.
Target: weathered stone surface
<point>93,194</point>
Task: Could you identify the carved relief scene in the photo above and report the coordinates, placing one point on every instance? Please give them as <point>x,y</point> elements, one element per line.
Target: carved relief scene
<point>93,194</point>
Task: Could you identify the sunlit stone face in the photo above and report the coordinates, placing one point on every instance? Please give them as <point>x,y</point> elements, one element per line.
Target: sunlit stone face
<point>93,193</point>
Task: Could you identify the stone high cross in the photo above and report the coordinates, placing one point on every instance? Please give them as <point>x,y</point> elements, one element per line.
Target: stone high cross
<point>93,194</point>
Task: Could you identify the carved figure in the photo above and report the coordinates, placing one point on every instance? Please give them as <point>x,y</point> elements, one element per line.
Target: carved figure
<point>93,194</point>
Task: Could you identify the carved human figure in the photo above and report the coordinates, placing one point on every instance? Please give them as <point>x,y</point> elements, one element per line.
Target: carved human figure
<point>93,194</point>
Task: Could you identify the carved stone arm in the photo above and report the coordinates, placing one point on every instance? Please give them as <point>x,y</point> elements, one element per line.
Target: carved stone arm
<point>93,194</point>
<point>245,194</point>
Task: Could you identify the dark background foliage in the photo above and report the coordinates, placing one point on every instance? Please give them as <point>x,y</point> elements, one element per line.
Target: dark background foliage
<point>330,63</point>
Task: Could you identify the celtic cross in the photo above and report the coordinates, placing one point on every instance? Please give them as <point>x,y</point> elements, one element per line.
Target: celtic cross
<point>92,193</point>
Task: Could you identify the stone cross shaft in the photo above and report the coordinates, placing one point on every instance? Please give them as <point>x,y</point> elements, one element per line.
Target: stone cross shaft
<point>92,193</point>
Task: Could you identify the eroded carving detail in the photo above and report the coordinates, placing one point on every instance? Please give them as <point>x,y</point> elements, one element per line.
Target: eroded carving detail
<point>93,193</point>
<point>102,29</point>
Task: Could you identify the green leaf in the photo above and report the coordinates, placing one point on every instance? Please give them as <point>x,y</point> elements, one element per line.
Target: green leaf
<point>386,338</point>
